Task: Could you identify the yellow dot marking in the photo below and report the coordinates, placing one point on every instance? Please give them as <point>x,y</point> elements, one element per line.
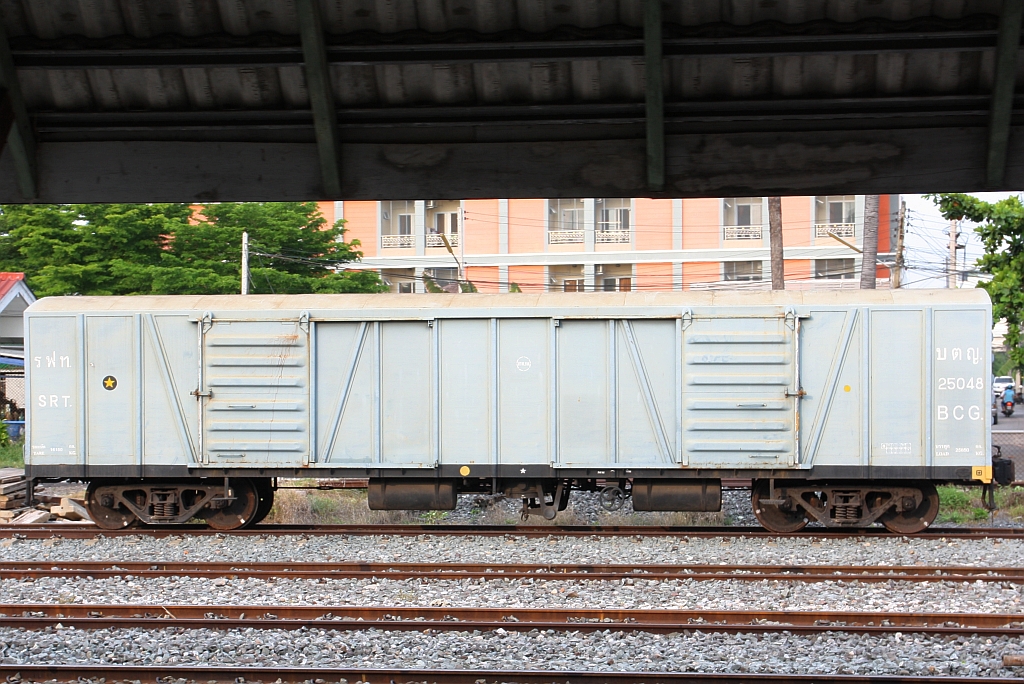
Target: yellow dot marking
<point>464,471</point>
<point>846,388</point>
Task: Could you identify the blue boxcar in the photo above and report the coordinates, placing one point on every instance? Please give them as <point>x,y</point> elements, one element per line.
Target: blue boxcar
<point>841,407</point>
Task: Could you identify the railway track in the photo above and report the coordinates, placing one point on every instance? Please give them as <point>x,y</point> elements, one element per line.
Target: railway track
<point>219,674</point>
<point>20,570</point>
<point>92,616</point>
<point>88,531</point>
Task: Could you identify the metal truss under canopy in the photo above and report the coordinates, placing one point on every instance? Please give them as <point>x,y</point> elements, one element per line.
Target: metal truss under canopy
<point>206,100</point>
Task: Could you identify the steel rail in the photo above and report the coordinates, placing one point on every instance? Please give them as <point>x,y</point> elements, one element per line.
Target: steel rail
<point>230,674</point>
<point>18,570</point>
<point>88,531</point>
<point>419,618</point>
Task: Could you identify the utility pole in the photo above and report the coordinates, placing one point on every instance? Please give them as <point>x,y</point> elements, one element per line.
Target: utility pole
<point>897,276</point>
<point>869,262</point>
<point>775,243</point>
<point>245,263</point>
<point>462,244</point>
<point>951,275</point>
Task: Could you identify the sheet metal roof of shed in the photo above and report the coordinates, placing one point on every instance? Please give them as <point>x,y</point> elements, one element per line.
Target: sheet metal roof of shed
<point>102,69</point>
<point>502,71</point>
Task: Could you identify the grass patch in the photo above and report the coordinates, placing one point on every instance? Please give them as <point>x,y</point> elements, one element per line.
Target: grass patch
<point>11,455</point>
<point>336,507</point>
<point>960,505</point>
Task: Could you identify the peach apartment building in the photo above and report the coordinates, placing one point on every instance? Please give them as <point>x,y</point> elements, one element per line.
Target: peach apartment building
<point>613,244</point>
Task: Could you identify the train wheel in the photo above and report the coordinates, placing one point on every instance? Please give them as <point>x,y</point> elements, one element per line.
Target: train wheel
<point>238,512</point>
<point>104,509</point>
<point>913,521</point>
<point>266,495</point>
<point>773,517</point>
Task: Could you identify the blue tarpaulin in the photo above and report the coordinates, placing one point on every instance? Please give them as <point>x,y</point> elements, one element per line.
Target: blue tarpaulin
<point>11,361</point>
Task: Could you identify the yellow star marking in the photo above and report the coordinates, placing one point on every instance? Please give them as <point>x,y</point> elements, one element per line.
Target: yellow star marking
<point>109,382</point>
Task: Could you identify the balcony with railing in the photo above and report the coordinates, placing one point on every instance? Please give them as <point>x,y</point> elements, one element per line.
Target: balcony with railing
<point>435,240</point>
<point>843,230</point>
<point>742,232</point>
<point>391,241</point>
<point>611,236</point>
<point>564,237</point>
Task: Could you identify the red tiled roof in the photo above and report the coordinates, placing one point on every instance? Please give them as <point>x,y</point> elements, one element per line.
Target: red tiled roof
<point>8,281</point>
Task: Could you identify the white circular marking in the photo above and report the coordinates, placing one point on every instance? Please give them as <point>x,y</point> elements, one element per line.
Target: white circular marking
<point>523,363</point>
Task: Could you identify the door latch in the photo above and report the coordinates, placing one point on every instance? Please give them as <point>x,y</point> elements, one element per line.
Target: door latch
<point>197,394</point>
<point>799,394</point>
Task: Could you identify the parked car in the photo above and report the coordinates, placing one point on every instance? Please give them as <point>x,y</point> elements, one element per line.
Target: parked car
<point>1000,383</point>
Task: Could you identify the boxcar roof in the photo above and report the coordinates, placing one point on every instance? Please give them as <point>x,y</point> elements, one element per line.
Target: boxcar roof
<point>547,300</point>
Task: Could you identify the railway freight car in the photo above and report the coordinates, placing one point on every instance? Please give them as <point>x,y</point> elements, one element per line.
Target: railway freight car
<point>843,407</point>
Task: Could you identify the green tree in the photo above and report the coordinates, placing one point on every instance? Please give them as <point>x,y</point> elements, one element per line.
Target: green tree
<point>170,249</point>
<point>69,249</point>
<point>1001,228</point>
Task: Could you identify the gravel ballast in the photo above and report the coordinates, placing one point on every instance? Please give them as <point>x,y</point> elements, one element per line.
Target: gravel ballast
<point>840,653</point>
<point>874,551</point>
<point>892,596</point>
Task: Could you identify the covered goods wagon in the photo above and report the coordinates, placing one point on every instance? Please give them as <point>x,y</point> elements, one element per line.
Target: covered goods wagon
<point>841,407</point>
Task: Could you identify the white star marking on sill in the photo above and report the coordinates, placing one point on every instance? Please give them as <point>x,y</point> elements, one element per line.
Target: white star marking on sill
<point>523,471</point>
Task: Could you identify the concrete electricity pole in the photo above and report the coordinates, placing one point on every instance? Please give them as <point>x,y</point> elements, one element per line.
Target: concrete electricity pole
<point>954,230</point>
<point>897,275</point>
<point>869,260</point>
<point>245,263</point>
<point>775,243</point>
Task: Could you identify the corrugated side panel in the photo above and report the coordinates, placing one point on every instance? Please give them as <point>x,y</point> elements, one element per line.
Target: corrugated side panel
<point>737,373</point>
<point>258,373</point>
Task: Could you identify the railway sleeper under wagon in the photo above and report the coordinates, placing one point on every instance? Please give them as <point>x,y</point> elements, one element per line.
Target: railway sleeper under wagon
<point>843,408</point>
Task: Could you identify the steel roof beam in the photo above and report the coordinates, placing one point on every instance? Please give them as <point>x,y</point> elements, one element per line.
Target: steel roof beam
<point>655,96</point>
<point>6,117</point>
<point>1007,50</point>
<point>19,136</point>
<point>542,51</point>
<point>321,98</point>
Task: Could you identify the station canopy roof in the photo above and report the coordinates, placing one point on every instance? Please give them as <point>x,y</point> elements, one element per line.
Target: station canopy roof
<point>205,100</point>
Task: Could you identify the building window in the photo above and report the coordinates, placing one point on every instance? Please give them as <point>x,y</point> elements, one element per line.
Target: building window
<point>405,288</point>
<point>396,224</point>
<point>617,284</point>
<point>572,285</point>
<point>612,217</point>
<point>743,218</point>
<point>741,270</point>
<point>833,269</point>
<point>446,279</point>
<point>565,221</point>
<point>442,218</point>
<point>835,214</point>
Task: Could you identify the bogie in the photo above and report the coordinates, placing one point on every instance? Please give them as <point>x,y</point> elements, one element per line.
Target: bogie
<point>904,507</point>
